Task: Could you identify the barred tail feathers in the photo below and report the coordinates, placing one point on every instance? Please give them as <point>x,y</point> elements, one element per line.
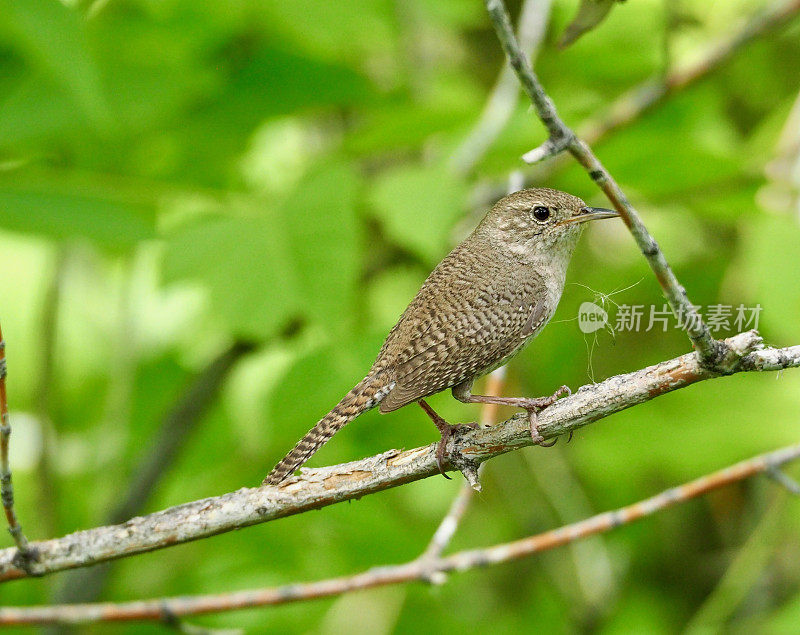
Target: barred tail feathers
<point>366,395</point>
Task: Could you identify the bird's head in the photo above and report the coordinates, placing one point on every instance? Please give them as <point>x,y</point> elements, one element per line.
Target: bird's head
<point>540,219</point>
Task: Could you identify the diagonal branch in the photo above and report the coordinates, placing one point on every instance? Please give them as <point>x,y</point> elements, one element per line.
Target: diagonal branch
<point>642,98</point>
<point>321,487</point>
<point>563,138</point>
<point>178,424</point>
<point>166,608</point>
<point>645,96</point>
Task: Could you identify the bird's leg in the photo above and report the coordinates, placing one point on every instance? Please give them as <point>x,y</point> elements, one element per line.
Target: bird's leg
<point>533,405</point>
<point>445,429</point>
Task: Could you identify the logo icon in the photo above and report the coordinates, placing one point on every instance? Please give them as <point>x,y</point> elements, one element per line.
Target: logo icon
<point>591,317</point>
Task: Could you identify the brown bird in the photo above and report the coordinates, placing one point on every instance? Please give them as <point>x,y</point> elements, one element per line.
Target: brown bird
<point>489,297</point>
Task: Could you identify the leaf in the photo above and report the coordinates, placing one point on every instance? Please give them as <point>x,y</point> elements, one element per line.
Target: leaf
<point>296,82</point>
<point>244,264</point>
<point>53,38</point>
<point>768,258</point>
<point>590,14</point>
<point>418,206</point>
<point>71,213</point>
<point>318,380</point>
<point>299,259</point>
<point>352,31</point>
<point>323,232</point>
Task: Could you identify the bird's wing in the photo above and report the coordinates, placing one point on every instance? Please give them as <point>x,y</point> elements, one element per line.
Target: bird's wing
<point>472,335</point>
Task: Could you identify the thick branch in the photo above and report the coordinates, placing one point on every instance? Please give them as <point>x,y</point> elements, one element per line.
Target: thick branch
<point>320,487</point>
<point>562,137</point>
<point>419,569</point>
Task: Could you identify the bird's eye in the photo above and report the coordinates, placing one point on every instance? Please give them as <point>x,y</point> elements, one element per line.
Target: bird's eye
<point>541,213</point>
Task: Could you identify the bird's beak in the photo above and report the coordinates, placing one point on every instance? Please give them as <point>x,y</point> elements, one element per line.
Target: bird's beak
<point>591,213</point>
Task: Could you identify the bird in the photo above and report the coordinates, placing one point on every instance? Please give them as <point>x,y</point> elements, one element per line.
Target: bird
<point>489,297</point>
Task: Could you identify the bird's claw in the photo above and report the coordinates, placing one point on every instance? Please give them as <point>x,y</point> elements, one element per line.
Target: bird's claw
<point>536,405</point>
<point>447,430</point>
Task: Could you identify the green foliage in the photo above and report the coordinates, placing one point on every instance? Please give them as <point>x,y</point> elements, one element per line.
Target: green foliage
<point>67,215</point>
<point>184,174</point>
<point>274,272</point>
<point>417,206</point>
<point>590,14</point>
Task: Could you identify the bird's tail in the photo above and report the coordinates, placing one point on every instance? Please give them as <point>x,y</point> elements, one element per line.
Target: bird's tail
<point>366,395</point>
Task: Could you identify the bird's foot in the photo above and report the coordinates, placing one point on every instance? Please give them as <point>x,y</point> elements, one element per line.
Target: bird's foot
<point>534,406</point>
<point>447,430</point>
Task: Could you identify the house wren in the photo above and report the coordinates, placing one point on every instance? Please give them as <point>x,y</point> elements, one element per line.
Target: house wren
<point>489,297</point>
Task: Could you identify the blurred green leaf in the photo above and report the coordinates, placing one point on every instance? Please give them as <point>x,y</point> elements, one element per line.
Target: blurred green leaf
<point>418,206</point>
<point>332,370</point>
<point>320,222</point>
<point>53,37</point>
<point>767,269</point>
<point>355,31</point>
<point>71,213</point>
<point>299,259</point>
<point>285,81</point>
<point>38,108</point>
<point>245,264</point>
<point>590,14</point>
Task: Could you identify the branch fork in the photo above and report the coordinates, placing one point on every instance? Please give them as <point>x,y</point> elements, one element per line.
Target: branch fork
<point>555,145</point>
<point>431,566</point>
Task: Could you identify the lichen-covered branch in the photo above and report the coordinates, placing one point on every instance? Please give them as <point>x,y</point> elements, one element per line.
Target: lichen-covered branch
<point>561,137</point>
<point>419,569</point>
<point>320,487</point>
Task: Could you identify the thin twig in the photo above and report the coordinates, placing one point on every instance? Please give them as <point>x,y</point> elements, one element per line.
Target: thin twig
<point>317,488</point>
<point>744,571</point>
<point>387,575</point>
<point>594,584</point>
<point>170,620</point>
<point>642,98</point>
<point>563,138</point>
<point>46,480</point>
<point>23,555</point>
<point>784,480</point>
<point>445,531</point>
<point>177,425</point>
<point>502,101</point>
